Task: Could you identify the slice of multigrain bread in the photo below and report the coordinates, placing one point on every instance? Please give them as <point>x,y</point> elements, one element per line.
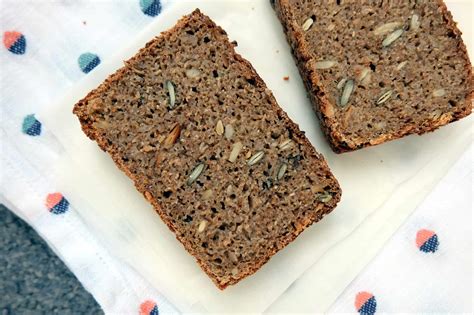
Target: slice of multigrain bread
<point>203,139</point>
<point>378,70</point>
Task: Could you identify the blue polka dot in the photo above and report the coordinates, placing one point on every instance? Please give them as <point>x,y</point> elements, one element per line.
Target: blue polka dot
<point>155,311</point>
<point>431,245</point>
<point>88,61</point>
<point>19,47</point>
<point>31,126</point>
<point>369,307</point>
<point>150,7</point>
<point>365,303</point>
<point>61,207</point>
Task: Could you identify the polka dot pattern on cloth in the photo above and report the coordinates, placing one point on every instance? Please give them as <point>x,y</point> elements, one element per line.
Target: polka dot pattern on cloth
<point>15,42</point>
<point>150,7</point>
<point>88,61</point>
<point>149,307</point>
<point>46,49</point>
<point>31,126</point>
<point>427,241</point>
<point>365,303</point>
<point>56,203</point>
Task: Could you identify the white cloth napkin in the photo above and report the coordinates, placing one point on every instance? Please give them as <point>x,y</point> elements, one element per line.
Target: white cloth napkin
<point>427,266</point>
<point>34,76</point>
<point>34,70</point>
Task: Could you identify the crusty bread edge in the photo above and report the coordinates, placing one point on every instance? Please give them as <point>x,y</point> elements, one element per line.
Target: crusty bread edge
<point>80,109</point>
<point>317,92</point>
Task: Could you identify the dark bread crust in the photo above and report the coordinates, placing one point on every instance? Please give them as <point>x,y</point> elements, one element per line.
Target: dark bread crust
<point>318,92</point>
<point>81,110</point>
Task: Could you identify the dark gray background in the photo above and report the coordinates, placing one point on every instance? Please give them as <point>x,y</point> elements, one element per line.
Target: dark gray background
<point>33,280</point>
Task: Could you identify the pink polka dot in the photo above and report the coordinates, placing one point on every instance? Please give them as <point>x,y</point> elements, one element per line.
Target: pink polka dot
<point>422,236</point>
<point>148,307</point>
<point>53,199</point>
<point>361,298</point>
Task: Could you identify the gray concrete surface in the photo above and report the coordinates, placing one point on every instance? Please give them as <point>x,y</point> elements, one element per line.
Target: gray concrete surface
<point>33,280</point>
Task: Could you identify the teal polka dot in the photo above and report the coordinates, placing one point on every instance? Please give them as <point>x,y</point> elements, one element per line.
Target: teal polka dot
<point>88,61</point>
<point>31,126</point>
<point>150,7</point>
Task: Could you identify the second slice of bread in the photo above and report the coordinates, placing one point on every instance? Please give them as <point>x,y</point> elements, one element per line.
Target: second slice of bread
<point>379,70</point>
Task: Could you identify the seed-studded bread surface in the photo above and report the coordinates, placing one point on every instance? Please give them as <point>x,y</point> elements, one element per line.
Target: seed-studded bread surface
<point>378,70</point>
<point>196,129</point>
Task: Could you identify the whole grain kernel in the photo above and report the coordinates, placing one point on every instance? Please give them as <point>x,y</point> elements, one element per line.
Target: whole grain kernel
<point>341,83</point>
<point>101,124</point>
<point>171,93</point>
<point>220,128</point>
<point>439,92</point>
<point>384,97</point>
<point>148,195</point>
<point>392,37</point>
<point>202,226</point>
<point>364,75</point>
<point>286,144</point>
<point>307,24</point>
<point>282,170</point>
<point>196,172</point>
<point>229,131</point>
<point>325,64</point>
<point>236,148</point>
<point>147,148</point>
<point>255,158</point>
<point>387,28</point>
<point>346,92</point>
<point>235,272</point>
<point>193,73</point>
<point>401,65</point>
<point>415,22</point>
<point>172,136</point>
<point>324,196</point>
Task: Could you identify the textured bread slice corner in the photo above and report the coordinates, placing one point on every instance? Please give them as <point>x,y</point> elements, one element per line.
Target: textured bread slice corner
<point>203,139</point>
<point>406,61</point>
